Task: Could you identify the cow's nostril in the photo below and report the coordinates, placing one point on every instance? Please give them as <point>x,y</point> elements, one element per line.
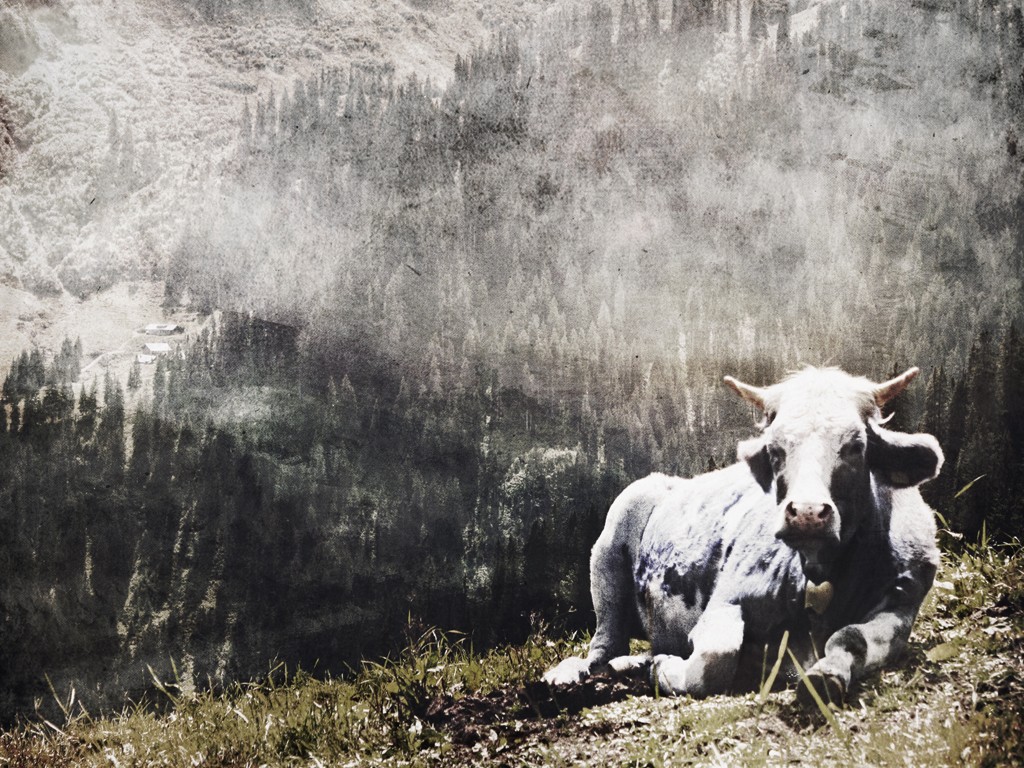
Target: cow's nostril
<point>825,512</point>
<point>791,510</point>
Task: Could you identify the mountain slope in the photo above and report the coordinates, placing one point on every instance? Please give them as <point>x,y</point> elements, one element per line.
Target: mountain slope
<point>114,117</point>
<point>116,109</point>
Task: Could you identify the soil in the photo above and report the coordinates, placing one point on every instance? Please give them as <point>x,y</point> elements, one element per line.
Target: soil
<point>515,713</point>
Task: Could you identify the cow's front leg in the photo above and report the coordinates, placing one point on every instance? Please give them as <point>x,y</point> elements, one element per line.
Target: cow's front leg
<point>611,589</point>
<point>860,649</point>
<point>855,651</point>
<point>711,667</point>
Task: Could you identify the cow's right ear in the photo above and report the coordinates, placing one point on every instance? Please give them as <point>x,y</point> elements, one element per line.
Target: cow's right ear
<point>755,452</point>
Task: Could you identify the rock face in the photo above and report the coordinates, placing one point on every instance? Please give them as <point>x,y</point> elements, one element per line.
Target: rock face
<point>19,47</point>
<point>6,133</point>
<point>19,44</point>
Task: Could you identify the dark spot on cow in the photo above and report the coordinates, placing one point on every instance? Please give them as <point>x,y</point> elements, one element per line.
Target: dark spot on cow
<point>760,566</point>
<point>728,552</point>
<point>675,583</point>
<point>732,503</point>
<point>708,574</point>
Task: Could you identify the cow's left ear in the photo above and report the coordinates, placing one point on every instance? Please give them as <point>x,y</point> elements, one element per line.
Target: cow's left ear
<point>903,460</point>
<point>755,452</point>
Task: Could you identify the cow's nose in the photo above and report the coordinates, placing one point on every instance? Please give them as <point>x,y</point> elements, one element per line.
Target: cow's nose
<point>808,516</point>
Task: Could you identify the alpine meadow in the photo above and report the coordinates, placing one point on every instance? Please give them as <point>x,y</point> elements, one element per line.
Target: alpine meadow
<point>335,328</point>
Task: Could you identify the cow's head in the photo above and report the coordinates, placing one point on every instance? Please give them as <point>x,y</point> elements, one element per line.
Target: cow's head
<point>826,454</point>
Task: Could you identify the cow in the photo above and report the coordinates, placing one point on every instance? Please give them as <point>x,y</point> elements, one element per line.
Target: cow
<point>818,530</point>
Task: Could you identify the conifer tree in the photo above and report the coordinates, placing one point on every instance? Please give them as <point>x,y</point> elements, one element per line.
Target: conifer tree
<point>160,382</point>
<point>88,409</point>
<point>135,375</point>
<point>110,433</point>
<point>15,418</point>
<point>985,440</point>
<point>1012,367</point>
<point>36,375</point>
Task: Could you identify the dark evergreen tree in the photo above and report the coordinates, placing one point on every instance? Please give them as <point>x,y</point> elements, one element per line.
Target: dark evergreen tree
<point>1012,369</point>
<point>88,409</point>
<point>135,376</point>
<point>983,454</point>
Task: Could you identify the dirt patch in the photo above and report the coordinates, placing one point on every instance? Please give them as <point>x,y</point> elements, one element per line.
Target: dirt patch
<point>515,713</point>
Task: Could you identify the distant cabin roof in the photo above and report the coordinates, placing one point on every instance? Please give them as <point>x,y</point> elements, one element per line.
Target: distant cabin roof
<point>158,347</point>
<point>162,328</point>
<point>146,359</point>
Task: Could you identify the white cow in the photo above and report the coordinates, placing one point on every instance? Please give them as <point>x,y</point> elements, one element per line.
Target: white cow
<point>818,530</point>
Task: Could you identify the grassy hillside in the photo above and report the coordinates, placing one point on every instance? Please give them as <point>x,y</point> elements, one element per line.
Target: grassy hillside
<point>957,698</point>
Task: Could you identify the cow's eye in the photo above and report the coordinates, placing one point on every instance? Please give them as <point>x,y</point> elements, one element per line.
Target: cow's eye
<point>777,457</point>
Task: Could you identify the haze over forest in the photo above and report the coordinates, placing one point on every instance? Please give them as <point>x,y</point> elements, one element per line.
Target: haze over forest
<point>456,275</point>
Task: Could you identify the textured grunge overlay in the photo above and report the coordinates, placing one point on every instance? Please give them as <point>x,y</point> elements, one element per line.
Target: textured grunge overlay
<point>329,321</point>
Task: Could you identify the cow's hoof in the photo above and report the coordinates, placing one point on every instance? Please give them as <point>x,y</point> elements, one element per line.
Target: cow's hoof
<point>568,671</point>
<point>629,666</point>
<point>830,688</point>
<point>668,675</point>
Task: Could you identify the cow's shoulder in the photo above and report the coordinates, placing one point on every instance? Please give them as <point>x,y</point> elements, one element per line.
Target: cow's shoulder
<point>655,486</point>
<point>717,501</point>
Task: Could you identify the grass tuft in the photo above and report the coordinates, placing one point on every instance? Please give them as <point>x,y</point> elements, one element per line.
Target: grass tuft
<point>766,687</point>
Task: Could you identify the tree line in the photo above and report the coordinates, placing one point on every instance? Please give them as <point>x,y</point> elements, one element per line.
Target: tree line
<point>603,187</point>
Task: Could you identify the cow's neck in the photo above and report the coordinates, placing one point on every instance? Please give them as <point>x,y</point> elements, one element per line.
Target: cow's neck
<point>860,572</point>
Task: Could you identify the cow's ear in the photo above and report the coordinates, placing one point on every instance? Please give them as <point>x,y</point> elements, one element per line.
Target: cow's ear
<point>755,452</point>
<point>903,460</point>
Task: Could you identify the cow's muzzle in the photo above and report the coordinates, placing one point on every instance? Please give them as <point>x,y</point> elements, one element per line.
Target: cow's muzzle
<point>803,521</point>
